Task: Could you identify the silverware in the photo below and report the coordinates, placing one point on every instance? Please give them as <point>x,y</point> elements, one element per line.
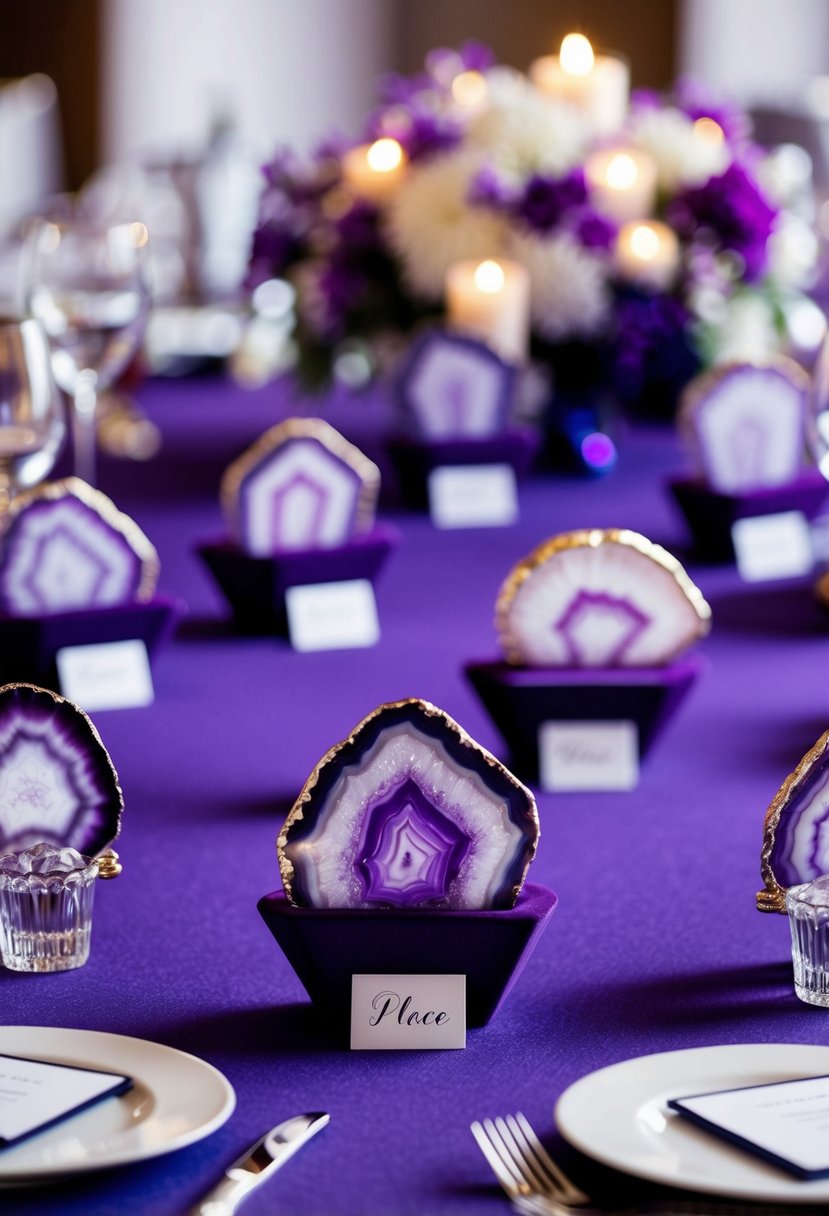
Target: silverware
<point>257,1165</point>
<point>537,1186</point>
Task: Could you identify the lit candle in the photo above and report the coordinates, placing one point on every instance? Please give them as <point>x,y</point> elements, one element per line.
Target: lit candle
<point>469,91</point>
<point>647,254</point>
<point>598,85</point>
<point>490,301</point>
<point>374,171</point>
<point>622,182</point>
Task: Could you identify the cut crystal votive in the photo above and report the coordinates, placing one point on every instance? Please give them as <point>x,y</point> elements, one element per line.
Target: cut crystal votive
<point>46,895</point>
<point>808,907</point>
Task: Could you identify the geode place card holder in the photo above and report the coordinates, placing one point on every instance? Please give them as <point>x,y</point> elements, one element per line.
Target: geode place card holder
<point>744,427</point>
<point>74,571</point>
<point>300,509</point>
<point>795,846</point>
<point>60,812</point>
<point>594,626</point>
<point>459,451</point>
<point>406,853</point>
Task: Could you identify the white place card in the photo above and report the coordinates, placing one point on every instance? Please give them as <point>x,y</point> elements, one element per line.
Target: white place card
<point>588,755</point>
<point>785,1122</point>
<point>35,1094</point>
<point>332,616</point>
<point>106,675</point>
<point>408,1012</point>
<point>773,546</point>
<point>473,496</point>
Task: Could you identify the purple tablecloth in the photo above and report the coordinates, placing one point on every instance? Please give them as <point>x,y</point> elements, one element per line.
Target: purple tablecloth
<point>655,945</point>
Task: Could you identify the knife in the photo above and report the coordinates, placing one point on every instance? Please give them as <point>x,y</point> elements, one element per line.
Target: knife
<point>258,1164</point>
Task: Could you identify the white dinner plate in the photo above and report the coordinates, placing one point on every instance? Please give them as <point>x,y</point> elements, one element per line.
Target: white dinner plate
<point>619,1116</point>
<point>176,1099</point>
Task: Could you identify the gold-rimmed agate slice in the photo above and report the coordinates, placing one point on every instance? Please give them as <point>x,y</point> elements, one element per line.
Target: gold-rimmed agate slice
<point>599,598</point>
<point>796,829</point>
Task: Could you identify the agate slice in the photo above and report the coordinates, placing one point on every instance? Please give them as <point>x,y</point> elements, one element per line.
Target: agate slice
<point>745,425</point>
<point>65,547</point>
<point>796,829</point>
<point>599,598</point>
<point>408,811</point>
<point>453,387</point>
<point>57,782</point>
<point>301,486</point>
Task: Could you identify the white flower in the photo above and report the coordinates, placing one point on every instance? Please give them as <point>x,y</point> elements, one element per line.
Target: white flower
<point>747,331</point>
<point>569,293</point>
<point>431,224</point>
<point>523,131</point>
<point>793,250</point>
<point>682,156</point>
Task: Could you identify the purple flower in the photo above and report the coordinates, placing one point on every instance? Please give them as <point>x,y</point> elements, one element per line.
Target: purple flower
<point>732,207</point>
<point>443,63</point>
<point>594,231</point>
<point>693,97</point>
<point>489,189</point>
<point>546,200</point>
<point>653,355</point>
<point>358,228</point>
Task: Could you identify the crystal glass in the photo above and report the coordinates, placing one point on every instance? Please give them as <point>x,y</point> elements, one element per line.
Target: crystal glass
<point>88,286</point>
<point>46,895</point>
<point>31,413</point>
<point>808,907</point>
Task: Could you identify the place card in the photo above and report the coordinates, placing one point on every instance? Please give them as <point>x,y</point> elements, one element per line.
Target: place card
<point>784,1122</point>
<point>35,1094</point>
<point>106,675</point>
<point>772,546</point>
<point>473,496</point>
<point>588,756</point>
<point>408,1012</point>
<point>332,616</point>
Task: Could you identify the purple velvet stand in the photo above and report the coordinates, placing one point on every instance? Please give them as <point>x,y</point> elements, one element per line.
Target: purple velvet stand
<point>255,586</point>
<point>29,644</point>
<point>520,699</point>
<point>326,946</point>
<point>414,459</point>
<point>710,514</point>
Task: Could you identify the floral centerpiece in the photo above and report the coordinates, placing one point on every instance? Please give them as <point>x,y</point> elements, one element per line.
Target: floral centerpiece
<point>490,162</point>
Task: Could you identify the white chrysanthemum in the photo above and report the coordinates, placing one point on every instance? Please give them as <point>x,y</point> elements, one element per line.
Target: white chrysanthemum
<point>569,293</point>
<point>523,131</point>
<point>682,157</point>
<point>431,224</point>
<point>793,250</point>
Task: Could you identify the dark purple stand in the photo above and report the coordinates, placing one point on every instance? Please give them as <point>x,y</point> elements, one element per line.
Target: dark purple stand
<point>29,645</point>
<point>414,459</point>
<point>520,699</point>
<point>710,514</point>
<point>255,586</point>
<point>326,947</point>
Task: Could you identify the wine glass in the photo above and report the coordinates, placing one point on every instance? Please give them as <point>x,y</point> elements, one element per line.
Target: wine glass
<point>32,425</point>
<point>87,284</point>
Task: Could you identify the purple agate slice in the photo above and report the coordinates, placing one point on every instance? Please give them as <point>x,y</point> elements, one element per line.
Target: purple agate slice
<point>302,486</point>
<point>57,782</point>
<point>796,841</point>
<point>66,548</point>
<point>408,812</point>
<point>452,387</point>
<point>745,425</point>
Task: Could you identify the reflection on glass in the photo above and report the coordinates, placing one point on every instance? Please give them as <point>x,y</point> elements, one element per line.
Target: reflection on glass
<point>31,415</point>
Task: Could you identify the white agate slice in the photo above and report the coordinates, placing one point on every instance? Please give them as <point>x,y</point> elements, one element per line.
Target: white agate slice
<point>301,486</point>
<point>453,387</point>
<point>599,598</point>
<point>745,425</point>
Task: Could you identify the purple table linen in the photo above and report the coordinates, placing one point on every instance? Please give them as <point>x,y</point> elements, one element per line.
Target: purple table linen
<point>655,944</point>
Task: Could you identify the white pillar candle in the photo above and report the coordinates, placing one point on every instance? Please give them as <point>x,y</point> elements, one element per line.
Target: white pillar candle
<point>598,85</point>
<point>490,300</point>
<point>647,254</point>
<point>374,171</point>
<point>622,182</point>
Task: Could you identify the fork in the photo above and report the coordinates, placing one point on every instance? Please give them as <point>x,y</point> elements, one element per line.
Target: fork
<point>537,1186</point>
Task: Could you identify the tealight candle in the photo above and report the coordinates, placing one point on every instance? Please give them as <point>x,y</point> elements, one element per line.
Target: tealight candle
<point>374,171</point>
<point>598,85</point>
<point>490,300</point>
<point>647,254</point>
<point>622,182</point>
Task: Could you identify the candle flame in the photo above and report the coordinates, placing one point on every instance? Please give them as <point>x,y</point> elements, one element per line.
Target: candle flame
<point>576,55</point>
<point>489,277</point>
<point>644,242</point>
<point>622,171</point>
<point>384,155</point>
<point>708,131</point>
<point>469,89</point>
